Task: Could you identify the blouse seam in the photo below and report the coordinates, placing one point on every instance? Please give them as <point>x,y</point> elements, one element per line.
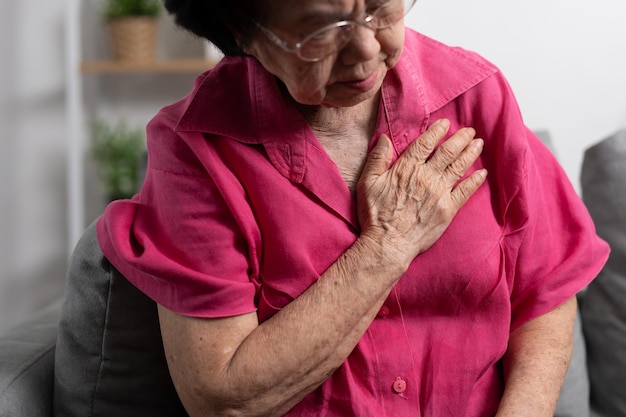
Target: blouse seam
<point>182,174</point>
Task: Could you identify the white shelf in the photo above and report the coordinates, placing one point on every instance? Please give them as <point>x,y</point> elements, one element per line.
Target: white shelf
<point>193,65</point>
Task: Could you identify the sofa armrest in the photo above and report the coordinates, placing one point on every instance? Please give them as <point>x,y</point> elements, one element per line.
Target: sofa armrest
<point>27,365</point>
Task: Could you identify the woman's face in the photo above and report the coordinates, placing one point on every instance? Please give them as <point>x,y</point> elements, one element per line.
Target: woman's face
<point>349,76</point>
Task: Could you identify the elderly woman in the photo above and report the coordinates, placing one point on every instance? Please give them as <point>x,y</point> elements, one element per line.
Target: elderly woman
<point>322,238</point>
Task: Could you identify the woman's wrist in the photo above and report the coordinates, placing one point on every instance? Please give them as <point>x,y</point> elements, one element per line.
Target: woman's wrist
<point>376,251</point>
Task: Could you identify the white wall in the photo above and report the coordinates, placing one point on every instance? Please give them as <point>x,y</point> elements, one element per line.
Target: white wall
<point>32,162</point>
<point>564,59</point>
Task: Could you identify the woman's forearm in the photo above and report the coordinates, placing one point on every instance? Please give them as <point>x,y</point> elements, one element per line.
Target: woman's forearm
<point>536,363</point>
<point>280,361</point>
<point>313,335</point>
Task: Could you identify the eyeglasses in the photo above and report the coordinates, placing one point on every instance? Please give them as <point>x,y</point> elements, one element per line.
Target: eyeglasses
<point>330,39</point>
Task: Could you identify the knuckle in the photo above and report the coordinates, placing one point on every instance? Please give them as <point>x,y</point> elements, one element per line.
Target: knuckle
<point>457,168</point>
<point>420,149</point>
<point>424,145</point>
<point>403,177</point>
<point>377,153</point>
<point>448,151</point>
<point>462,193</point>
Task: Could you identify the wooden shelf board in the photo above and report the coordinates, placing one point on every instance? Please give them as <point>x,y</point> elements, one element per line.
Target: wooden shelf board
<point>169,66</point>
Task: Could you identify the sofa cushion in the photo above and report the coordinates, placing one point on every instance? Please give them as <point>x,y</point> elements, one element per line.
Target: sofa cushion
<point>603,180</point>
<point>27,366</point>
<point>109,355</point>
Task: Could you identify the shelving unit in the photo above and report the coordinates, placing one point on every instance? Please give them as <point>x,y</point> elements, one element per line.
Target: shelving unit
<point>76,69</point>
<point>170,66</point>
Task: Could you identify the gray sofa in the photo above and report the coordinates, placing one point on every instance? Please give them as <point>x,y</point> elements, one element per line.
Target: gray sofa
<point>603,308</point>
<point>98,352</point>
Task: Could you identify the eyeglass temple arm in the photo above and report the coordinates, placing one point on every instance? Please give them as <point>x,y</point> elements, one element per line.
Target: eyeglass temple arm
<point>278,41</point>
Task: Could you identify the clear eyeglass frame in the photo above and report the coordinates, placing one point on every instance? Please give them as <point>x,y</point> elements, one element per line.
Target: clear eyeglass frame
<point>331,38</point>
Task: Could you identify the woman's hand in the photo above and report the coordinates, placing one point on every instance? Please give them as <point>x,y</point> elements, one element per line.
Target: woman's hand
<point>404,209</point>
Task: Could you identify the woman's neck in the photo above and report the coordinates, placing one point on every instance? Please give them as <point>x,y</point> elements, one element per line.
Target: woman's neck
<point>345,134</point>
<point>330,121</point>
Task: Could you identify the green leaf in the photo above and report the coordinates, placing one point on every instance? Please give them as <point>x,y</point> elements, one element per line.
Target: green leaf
<point>113,9</point>
<point>117,151</point>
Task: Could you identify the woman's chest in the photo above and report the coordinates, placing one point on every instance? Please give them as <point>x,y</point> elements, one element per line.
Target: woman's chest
<point>348,154</point>
<point>302,237</point>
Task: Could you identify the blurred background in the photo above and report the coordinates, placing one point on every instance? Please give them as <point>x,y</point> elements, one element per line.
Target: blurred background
<point>564,59</point>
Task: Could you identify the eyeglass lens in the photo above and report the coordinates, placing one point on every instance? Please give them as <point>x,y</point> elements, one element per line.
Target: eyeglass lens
<point>334,37</point>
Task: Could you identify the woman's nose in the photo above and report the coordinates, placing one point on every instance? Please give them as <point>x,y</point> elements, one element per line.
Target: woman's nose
<point>362,47</point>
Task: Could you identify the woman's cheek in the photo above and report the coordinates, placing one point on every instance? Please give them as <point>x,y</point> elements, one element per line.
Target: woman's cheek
<point>310,87</point>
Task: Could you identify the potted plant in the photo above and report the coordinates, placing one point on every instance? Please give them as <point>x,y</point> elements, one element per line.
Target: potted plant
<point>132,26</point>
<point>117,151</point>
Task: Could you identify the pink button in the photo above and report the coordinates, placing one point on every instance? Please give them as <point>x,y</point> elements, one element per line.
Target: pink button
<point>383,312</point>
<point>399,386</point>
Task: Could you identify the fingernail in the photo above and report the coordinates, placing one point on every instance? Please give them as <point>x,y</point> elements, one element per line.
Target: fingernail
<point>445,123</point>
<point>478,143</point>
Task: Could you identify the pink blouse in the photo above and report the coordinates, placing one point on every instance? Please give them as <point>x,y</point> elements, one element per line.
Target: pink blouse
<point>242,210</point>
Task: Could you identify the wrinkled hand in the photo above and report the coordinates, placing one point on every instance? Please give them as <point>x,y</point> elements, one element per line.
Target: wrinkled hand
<point>406,208</point>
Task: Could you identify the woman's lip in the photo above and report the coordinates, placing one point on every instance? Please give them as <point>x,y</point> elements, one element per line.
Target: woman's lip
<point>364,84</point>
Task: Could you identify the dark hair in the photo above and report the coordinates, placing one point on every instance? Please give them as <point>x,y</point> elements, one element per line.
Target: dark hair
<point>215,20</point>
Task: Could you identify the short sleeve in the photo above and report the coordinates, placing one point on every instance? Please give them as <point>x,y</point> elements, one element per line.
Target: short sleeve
<point>178,240</point>
<point>559,252</point>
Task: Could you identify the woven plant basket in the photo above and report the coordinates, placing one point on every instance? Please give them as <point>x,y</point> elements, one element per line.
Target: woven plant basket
<point>133,39</point>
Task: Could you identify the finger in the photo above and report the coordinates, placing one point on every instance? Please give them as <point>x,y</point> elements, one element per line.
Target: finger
<point>465,160</point>
<point>450,150</point>
<point>423,146</point>
<point>466,188</point>
<point>379,159</point>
